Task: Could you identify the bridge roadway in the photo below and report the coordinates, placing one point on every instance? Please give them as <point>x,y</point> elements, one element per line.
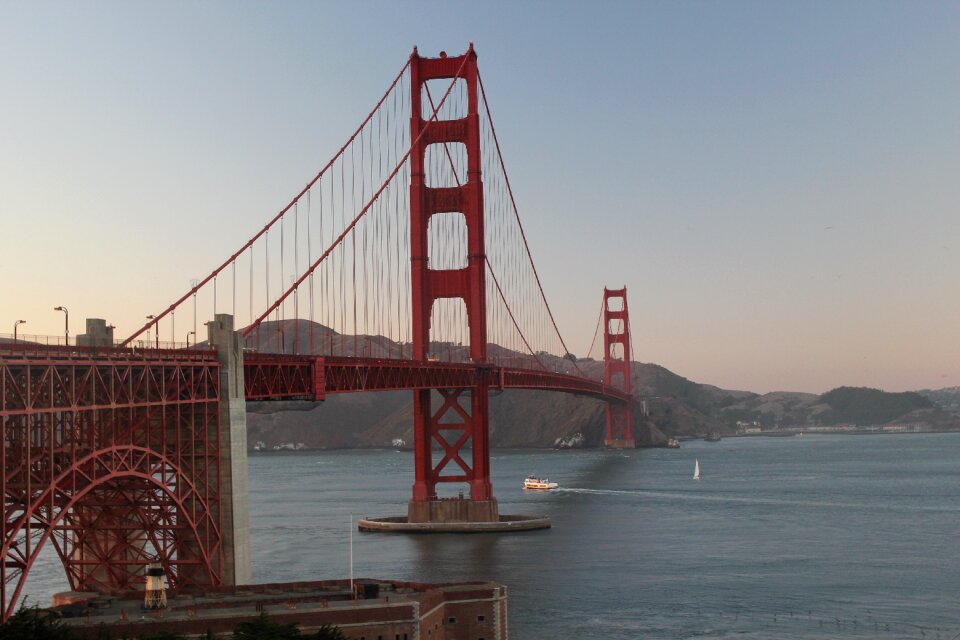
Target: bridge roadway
<point>310,378</point>
<point>287,377</point>
<point>82,423</point>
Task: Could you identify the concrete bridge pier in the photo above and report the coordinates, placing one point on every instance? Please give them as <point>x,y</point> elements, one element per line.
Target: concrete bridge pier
<point>234,517</point>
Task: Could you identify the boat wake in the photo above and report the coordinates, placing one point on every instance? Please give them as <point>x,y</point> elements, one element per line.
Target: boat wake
<point>702,497</point>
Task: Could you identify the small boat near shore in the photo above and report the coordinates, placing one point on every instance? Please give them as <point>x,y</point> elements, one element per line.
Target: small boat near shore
<point>533,483</point>
<point>696,470</point>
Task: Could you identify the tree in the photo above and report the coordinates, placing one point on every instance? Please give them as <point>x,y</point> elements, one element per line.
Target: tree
<point>330,632</point>
<point>34,624</point>
<point>263,628</point>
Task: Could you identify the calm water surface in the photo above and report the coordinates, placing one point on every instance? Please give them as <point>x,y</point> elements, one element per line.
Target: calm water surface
<point>803,537</point>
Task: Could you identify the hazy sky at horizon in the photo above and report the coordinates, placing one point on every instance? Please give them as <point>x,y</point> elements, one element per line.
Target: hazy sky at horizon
<point>776,183</point>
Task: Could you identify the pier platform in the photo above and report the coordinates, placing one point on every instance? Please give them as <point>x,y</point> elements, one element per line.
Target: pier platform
<point>505,524</point>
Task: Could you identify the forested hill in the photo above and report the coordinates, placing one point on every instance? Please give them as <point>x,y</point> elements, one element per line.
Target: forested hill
<point>667,405</point>
<point>864,406</point>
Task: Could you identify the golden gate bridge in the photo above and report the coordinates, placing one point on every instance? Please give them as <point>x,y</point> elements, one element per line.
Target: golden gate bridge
<point>402,265</point>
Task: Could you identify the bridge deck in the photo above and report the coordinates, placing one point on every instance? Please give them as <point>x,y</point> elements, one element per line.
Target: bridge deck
<point>300,377</point>
<point>274,376</point>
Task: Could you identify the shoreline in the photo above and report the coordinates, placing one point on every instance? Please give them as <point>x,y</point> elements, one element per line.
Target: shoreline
<point>859,433</point>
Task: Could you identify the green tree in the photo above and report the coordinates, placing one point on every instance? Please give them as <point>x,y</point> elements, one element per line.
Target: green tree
<point>34,624</point>
<point>263,628</point>
<point>330,632</point>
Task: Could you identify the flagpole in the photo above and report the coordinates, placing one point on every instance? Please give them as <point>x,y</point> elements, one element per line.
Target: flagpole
<point>352,593</point>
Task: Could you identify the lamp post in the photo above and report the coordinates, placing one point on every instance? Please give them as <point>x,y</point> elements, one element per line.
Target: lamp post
<point>156,330</point>
<point>66,323</point>
<point>15,325</point>
<point>191,333</point>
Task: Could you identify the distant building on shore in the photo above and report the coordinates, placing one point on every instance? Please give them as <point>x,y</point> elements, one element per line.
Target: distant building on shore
<point>749,428</point>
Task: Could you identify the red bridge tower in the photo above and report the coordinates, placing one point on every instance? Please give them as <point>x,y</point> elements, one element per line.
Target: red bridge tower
<point>452,425</point>
<point>616,367</point>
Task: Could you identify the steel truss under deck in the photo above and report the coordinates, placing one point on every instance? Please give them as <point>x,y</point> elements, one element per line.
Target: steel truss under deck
<point>114,456</point>
<point>287,377</point>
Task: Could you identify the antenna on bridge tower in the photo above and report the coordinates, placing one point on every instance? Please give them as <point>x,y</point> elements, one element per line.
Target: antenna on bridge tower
<point>616,368</point>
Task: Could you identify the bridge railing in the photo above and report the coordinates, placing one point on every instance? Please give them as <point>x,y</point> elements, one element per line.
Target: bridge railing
<point>162,345</point>
<point>61,341</point>
<point>49,341</point>
<point>38,347</point>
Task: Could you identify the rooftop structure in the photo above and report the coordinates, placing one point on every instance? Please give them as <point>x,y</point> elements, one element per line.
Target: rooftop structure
<point>372,610</point>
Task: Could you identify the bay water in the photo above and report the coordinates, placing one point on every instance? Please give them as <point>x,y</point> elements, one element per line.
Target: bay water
<point>828,536</point>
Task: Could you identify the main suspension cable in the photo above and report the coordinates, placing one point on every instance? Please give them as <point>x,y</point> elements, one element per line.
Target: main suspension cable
<point>516,212</point>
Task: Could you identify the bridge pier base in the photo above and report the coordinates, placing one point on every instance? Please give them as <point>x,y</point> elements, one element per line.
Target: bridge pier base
<point>453,510</point>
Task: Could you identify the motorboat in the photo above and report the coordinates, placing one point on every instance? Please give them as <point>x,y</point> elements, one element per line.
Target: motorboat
<point>534,483</point>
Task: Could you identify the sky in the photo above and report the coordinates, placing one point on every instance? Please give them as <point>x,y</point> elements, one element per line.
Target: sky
<point>775,183</point>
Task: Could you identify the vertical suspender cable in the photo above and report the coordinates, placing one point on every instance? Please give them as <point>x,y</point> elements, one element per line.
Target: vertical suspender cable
<point>310,259</point>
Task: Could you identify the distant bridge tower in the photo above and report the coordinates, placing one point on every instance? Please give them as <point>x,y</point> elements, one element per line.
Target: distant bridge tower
<point>449,428</point>
<point>616,367</point>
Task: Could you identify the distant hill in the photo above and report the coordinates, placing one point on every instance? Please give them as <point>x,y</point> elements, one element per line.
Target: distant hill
<point>863,406</point>
<point>668,405</point>
<point>947,398</point>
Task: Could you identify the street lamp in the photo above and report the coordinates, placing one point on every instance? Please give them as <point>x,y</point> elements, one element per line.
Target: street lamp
<point>191,333</point>
<point>15,325</point>
<point>156,330</point>
<point>66,323</point>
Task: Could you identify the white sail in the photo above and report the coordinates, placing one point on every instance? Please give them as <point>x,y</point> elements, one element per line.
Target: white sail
<point>696,470</point>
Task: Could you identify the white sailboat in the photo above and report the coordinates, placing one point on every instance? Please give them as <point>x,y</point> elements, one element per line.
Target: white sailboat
<point>696,470</point>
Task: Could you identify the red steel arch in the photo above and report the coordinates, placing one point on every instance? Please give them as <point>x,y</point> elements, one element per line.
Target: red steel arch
<point>105,543</point>
<point>116,457</point>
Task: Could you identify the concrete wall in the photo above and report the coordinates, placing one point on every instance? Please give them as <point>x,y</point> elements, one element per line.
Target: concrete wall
<point>235,518</point>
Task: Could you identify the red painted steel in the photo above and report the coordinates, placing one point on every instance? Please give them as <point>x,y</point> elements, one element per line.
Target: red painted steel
<point>279,377</point>
<point>429,285</point>
<point>616,368</point>
<point>113,456</point>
